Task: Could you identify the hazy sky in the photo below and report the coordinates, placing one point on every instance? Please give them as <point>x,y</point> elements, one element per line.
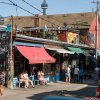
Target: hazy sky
<point>54,7</point>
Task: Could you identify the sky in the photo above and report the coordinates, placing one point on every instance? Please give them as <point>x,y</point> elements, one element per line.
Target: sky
<point>54,7</point>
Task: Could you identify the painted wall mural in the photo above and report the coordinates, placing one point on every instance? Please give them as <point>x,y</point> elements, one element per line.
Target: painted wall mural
<point>72,37</point>
<point>92,33</point>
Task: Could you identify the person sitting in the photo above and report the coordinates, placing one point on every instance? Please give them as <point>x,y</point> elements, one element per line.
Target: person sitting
<point>27,79</point>
<point>23,80</point>
<point>41,77</point>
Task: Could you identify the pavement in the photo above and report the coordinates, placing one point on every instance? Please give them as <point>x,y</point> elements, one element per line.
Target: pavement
<point>40,91</point>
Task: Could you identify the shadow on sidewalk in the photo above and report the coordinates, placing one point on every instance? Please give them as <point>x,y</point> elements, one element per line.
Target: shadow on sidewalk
<point>82,93</point>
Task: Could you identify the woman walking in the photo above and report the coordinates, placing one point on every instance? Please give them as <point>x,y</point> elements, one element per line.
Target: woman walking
<point>2,81</point>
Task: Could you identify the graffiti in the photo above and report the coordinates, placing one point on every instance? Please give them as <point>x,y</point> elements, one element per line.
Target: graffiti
<point>91,37</point>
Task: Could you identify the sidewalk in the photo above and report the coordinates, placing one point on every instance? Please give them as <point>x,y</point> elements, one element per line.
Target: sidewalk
<point>90,81</point>
<point>39,91</point>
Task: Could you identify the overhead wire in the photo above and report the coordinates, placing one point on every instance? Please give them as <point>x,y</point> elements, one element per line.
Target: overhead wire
<point>20,7</point>
<point>6,3</point>
<point>32,6</point>
<point>12,3</point>
<point>33,14</point>
<point>46,14</point>
<point>40,10</point>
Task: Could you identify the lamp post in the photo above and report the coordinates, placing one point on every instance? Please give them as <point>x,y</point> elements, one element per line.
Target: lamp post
<point>96,35</point>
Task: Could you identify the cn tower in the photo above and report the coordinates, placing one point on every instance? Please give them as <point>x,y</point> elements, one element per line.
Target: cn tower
<point>44,6</point>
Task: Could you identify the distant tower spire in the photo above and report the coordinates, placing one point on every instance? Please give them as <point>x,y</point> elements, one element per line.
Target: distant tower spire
<point>44,6</point>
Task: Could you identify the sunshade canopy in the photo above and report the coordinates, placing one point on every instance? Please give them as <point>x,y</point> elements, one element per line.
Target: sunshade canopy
<point>76,50</point>
<point>61,50</point>
<point>64,51</point>
<point>35,54</point>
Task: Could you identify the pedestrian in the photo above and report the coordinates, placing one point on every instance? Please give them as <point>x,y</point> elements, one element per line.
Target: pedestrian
<point>96,73</point>
<point>2,81</point>
<point>81,74</point>
<point>76,74</point>
<point>72,73</point>
<point>67,74</point>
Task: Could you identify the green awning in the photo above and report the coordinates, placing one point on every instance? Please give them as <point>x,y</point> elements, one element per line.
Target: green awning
<point>76,50</point>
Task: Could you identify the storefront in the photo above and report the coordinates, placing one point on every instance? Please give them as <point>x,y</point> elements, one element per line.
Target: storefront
<point>61,56</point>
<point>28,56</point>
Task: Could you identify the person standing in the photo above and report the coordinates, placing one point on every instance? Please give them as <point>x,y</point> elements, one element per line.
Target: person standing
<point>81,74</point>
<point>76,74</point>
<point>67,74</point>
<point>2,81</point>
<point>96,73</point>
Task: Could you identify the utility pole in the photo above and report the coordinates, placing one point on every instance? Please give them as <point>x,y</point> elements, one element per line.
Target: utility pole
<point>96,35</point>
<point>11,65</point>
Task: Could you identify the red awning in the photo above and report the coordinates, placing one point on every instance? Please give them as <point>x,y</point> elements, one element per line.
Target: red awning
<point>35,54</point>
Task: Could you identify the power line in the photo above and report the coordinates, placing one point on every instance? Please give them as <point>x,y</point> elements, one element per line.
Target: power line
<point>32,6</point>
<point>32,13</point>
<point>10,5</point>
<point>46,14</point>
<point>20,7</point>
<point>39,10</point>
<point>6,3</point>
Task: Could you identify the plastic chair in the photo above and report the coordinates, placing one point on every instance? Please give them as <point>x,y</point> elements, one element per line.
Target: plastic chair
<point>33,80</point>
<point>15,81</point>
<point>19,83</point>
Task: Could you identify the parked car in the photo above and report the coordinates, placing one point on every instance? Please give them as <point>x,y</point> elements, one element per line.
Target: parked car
<point>60,98</point>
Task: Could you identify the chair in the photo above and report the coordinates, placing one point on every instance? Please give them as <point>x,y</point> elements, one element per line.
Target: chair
<point>47,78</point>
<point>34,80</point>
<point>19,83</point>
<point>37,81</point>
<point>15,81</point>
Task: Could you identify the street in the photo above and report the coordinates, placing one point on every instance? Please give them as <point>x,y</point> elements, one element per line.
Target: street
<point>60,89</point>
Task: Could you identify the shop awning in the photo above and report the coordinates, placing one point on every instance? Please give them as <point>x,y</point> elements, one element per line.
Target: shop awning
<point>64,51</point>
<point>60,50</point>
<point>76,50</point>
<point>35,54</point>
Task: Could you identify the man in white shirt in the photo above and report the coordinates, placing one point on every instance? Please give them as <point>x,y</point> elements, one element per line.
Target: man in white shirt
<point>76,74</point>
